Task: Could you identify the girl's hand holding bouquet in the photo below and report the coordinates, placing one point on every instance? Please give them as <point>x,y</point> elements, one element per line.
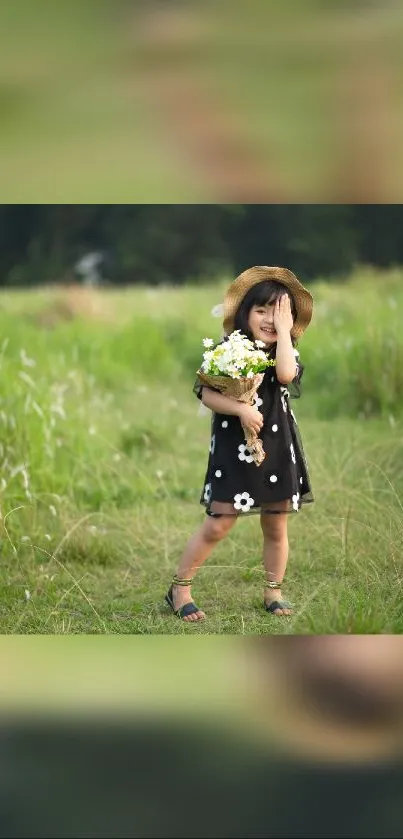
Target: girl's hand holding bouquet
<point>236,368</point>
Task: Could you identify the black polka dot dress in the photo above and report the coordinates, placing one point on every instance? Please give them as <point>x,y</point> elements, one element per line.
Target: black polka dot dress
<point>233,484</point>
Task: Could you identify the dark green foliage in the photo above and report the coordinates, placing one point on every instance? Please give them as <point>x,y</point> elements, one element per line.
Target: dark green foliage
<point>172,243</point>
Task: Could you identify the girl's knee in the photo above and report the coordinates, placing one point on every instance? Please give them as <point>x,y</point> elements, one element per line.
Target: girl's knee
<point>274,527</point>
<point>216,528</point>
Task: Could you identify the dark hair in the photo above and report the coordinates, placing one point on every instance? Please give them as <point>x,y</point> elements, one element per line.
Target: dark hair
<point>267,291</point>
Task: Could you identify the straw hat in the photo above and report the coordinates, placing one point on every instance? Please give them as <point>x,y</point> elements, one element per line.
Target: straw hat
<point>237,290</point>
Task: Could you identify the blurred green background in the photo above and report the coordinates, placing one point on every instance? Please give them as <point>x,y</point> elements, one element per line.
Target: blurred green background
<point>114,100</point>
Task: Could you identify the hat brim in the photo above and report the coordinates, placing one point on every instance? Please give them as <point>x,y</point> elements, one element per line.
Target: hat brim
<point>252,276</point>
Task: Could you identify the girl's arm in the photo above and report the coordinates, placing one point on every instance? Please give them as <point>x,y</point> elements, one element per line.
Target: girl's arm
<point>286,365</point>
<point>219,403</point>
<point>250,417</point>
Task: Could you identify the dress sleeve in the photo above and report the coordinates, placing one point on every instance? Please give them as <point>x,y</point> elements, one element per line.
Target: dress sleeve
<point>294,388</point>
<point>198,387</point>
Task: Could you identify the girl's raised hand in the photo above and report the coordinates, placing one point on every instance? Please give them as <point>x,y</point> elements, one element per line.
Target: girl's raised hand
<point>282,315</point>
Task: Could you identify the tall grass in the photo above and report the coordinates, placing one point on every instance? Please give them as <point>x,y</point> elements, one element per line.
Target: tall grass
<point>103,456</point>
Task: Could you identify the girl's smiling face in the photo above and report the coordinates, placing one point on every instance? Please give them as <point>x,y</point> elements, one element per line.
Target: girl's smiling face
<point>255,315</point>
<point>261,323</point>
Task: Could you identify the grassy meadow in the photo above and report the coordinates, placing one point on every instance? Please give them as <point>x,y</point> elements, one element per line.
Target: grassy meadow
<point>103,457</point>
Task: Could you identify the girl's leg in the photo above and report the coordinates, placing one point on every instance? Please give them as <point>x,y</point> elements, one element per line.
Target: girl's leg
<point>275,552</point>
<point>197,550</point>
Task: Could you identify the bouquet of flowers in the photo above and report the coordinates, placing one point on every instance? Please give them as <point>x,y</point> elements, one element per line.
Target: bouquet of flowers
<point>236,369</point>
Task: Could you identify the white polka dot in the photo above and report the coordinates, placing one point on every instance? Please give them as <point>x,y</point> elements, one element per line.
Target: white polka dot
<point>224,424</point>
<point>218,473</point>
<point>300,480</point>
<point>273,479</point>
<point>274,428</point>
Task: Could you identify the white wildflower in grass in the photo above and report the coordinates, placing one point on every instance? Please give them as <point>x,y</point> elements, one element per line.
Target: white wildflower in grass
<point>52,509</point>
<point>27,594</point>
<point>48,537</point>
<point>25,539</point>
<point>56,408</point>
<point>16,470</point>
<point>159,474</point>
<point>27,362</point>
<point>27,379</point>
<point>25,479</point>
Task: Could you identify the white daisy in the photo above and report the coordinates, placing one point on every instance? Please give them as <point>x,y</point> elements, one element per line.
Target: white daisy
<point>243,501</point>
<point>245,453</point>
<point>207,493</point>
<point>293,458</point>
<point>260,344</point>
<point>208,342</point>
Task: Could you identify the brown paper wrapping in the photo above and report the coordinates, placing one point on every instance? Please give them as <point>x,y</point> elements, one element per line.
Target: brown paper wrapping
<point>243,390</point>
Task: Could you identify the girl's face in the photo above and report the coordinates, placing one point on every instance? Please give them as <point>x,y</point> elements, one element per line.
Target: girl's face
<point>261,323</point>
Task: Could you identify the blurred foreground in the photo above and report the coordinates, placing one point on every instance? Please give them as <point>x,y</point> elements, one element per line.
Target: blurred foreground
<point>291,739</point>
<point>120,101</point>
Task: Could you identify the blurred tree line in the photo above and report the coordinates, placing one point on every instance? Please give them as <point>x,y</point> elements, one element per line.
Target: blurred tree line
<point>172,243</point>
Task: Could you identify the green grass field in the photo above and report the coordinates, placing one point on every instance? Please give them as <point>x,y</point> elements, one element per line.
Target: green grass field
<point>103,457</point>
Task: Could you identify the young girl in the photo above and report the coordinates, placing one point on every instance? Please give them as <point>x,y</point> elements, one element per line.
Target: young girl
<point>269,305</point>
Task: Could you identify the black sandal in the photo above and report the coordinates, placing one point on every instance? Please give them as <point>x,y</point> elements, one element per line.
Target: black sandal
<point>277,604</point>
<point>187,608</point>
